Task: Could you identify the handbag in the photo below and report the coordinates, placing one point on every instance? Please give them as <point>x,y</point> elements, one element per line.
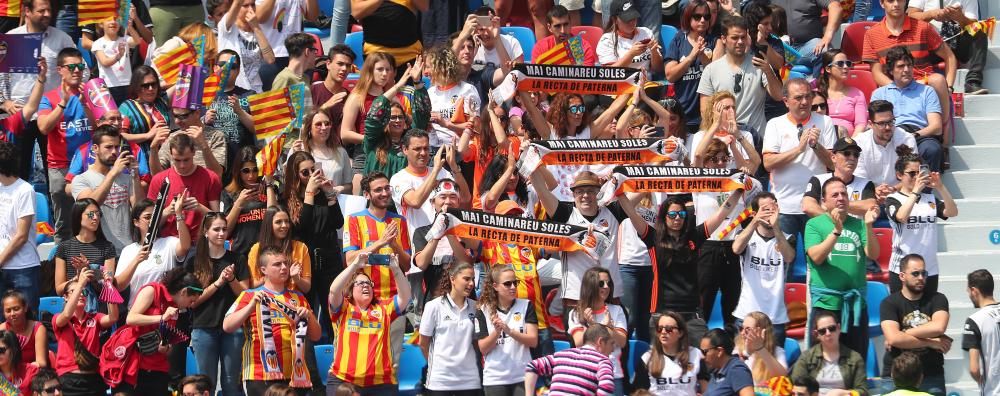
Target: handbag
<point>149,343</point>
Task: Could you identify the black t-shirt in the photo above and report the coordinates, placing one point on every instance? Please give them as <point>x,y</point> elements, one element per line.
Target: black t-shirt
<point>910,314</point>
<point>247,227</point>
<point>210,313</point>
<point>815,187</point>
<point>439,262</point>
<point>96,253</point>
<point>676,271</point>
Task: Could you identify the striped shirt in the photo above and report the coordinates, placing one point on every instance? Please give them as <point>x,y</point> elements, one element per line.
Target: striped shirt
<point>576,371</point>
<point>363,355</point>
<point>269,335</point>
<point>918,36</point>
<point>363,229</point>
<point>522,259</point>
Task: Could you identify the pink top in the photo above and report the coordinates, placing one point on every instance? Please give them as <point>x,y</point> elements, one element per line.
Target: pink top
<point>850,110</point>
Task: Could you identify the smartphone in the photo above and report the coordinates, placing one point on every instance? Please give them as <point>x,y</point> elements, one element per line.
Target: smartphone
<point>95,267</point>
<point>659,132</point>
<point>925,170</point>
<point>761,50</point>
<point>645,41</point>
<point>378,259</point>
<point>484,21</point>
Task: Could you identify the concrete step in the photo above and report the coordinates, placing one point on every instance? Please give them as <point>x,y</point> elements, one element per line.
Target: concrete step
<point>956,236</point>
<point>971,130</point>
<point>973,183</point>
<point>975,157</point>
<point>966,261</point>
<point>980,209</point>
<point>984,105</point>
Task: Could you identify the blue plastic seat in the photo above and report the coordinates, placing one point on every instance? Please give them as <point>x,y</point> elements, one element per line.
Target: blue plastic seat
<point>877,291</point>
<point>792,352</point>
<point>715,320</point>
<point>799,266</point>
<point>411,366</point>
<point>635,350</point>
<point>877,12</point>
<point>325,8</point>
<point>871,362</point>
<point>560,345</point>
<point>51,305</point>
<point>42,215</point>
<point>667,33</point>
<point>324,359</point>
<point>191,364</point>
<point>356,41</point>
<point>524,36</point>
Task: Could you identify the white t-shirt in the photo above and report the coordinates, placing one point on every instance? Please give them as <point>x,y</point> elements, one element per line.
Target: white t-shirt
<point>675,380</point>
<point>337,168</point>
<point>969,7</point>
<point>286,19</point>
<point>707,203</point>
<point>451,362</point>
<point>695,140</point>
<point>404,181</point>
<point>484,56</point>
<point>763,273</point>
<point>162,258</point>
<point>919,234</point>
<point>877,162</point>
<point>612,47</point>
<point>829,377</point>
<point>116,220</point>
<point>618,323</point>
<point>789,182</point>
<point>574,264</point>
<point>445,101</point>
<point>631,249</point>
<point>245,44</point>
<point>120,73</point>
<point>981,332</point>
<point>504,365</point>
<point>18,201</point>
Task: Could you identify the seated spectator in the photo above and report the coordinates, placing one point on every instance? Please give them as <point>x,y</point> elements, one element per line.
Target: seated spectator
<point>845,104</point>
<point>759,343</point>
<point>31,334</point>
<point>240,31</point>
<point>878,148</point>
<point>13,370</point>
<point>693,48</point>
<point>84,156</point>
<point>432,255</point>
<point>564,367</point>
<point>916,108</point>
<point>624,44</point>
<point>949,20</point>
<point>275,234</point>
<point>559,23</point>
<point>805,386</point>
<point>849,375</point>
<point>907,375</point>
<point>46,382</point>
<point>594,308</point>
<point>196,385</point>
<point>730,375</point>
<point>672,365</point>
<point>446,343</point>
<point>507,329</point>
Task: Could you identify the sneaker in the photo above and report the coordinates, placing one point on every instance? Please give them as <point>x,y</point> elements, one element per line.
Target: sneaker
<point>973,88</point>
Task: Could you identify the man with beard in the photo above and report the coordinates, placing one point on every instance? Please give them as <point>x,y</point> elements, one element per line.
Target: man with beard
<point>915,321</point>
<point>377,233</point>
<point>860,191</point>
<point>113,181</point>
<point>878,148</point>
<point>982,335</point>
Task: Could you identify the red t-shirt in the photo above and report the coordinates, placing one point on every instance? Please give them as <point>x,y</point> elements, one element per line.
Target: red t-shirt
<point>589,56</point>
<point>87,331</point>
<point>11,127</point>
<point>23,374</point>
<point>156,361</point>
<point>201,184</point>
<point>918,36</point>
<point>70,132</point>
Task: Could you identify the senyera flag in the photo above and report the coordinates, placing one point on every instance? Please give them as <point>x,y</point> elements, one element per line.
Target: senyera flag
<point>272,113</point>
<point>10,8</point>
<point>169,64</point>
<point>569,52</point>
<point>96,11</point>
<point>267,158</point>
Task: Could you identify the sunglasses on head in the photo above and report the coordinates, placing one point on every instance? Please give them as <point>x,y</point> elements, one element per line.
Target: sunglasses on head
<point>818,106</point>
<point>248,170</point>
<point>843,64</point>
<point>577,109</point>
<point>826,330</point>
<point>72,67</point>
<point>677,214</point>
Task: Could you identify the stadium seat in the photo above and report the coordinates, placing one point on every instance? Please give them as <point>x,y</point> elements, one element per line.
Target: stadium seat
<point>190,363</point>
<point>792,351</point>
<point>667,33</point>
<point>324,359</point>
<point>884,236</point>
<point>852,43</point>
<point>411,366</point>
<point>325,8</point>
<point>871,362</point>
<point>50,305</point>
<point>715,321</point>
<point>356,41</point>
<point>561,345</point>
<point>590,33</point>
<point>863,81</point>
<point>877,291</point>
<point>42,215</point>
<point>796,292</point>
<point>635,350</point>
<point>524,36</point>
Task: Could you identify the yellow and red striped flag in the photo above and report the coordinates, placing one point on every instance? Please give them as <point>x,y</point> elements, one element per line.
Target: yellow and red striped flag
<point>169,64</point>
<point>45,228</point>
<point>267,158</point>
<point>985,26</point>
<point>569,52</point>
<point>96,11</point>
<point>10,8</point>
<point>272,113</point>
<point>211,88</point>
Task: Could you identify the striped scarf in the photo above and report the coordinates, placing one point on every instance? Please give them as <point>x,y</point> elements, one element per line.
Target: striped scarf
<point>300,374</point>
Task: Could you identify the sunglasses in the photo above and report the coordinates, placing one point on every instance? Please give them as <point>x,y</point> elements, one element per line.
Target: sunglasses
<point>510,284</point>
<point>885,124</point>
<point>182,116</point>
<point>151,85</point>
<point>911,173</point>
<point>3,350</point>
<point>702,17</point>
<point>918,274</point>
<point>677,214</point>
<point>843,64</point>
<point>74,67</point>
<point>818,106</point>
<point>720,159</point>
<point>52,389</point>
<point>364,283</point>
<point>577,109</point>
<point>93,215</point>
<point>826,330</point>
<point>666,329</point>
<point>604,284</point>
<point>851,153</point>
<point>306,172</point>
<point>738,83</point>
<point>247,171</point>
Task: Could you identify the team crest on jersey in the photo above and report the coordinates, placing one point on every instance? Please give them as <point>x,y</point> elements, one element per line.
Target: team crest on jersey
<point>603,223</point>
<point>932,205</point>
<point>525,251</point>
<point>855,196</point>
<point>376,314</point>
<point>517,316</point>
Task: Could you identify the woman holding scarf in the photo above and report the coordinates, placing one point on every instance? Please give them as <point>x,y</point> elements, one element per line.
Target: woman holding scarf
<point>275,322</point>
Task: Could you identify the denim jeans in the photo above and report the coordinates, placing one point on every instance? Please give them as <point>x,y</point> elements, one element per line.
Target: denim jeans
<point>933,384</point>
<point>652,16</point>
<point>212,345</point>
<point>66,18</point>
<point>24,280</point>
<point>62,204</point>
<point>809,59</point>
<point>434,23</point>
<point>637,281</point>
<point>341,23</point>
<point>545,346</point>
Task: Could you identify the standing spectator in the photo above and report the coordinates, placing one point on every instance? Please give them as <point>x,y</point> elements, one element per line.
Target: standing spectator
<point>730,376</point>
<point>145,263</point>
<point>625,44</point>
<point>837,248</point>
<point>363,320</point>
<point>582,370</point>
<point>506,329</point>
<point>816,362</point>
<point>672,366</point>
<point>227,113</point>
<point>796,147</point>
<point>949,20</point>
<point>917,110</point>
<point>169,15</point>
<point>18,256</point>
<point>488,52</point>
<point>222,276</point>
<point>809,35</point>
<point>412,186</point>
<point>687,55</point>
<point>558,21</point>
<point>319,138</point>
<point>980,336</point>
<point>913,212</point>
<point>431,256</point>
<point>113,58</point>
<point>915,319</point>
<point>280,19</point>
<point>845,104</point>
<point>78,334</point>
<point>330,94</point>
<point>595,309</point>
<point>275,342</point>
<point>301,57</point>
<point>240,31</point>
<point>209,142</point>
<point>88,247</point>
<point>113,181</point>
<point>736,150</point>
<point>391,26</point>
<point>64,119</point>
<point>245,202</point>
<point>203,187</point>
<point>750,78</point>
<point>451,100</point>
<point>447,330</point>
<point>385,127</point>
<point>146,110</point>
<point>275,233</point>
<point>138,19</point>
<point>878,148</point>
<point>861,192</point>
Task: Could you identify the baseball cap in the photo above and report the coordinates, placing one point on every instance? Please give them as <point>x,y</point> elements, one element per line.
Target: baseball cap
<point>585,179</point>
<point>625,10</point>
<point>845,143</point>
<point>509,208</point>
<point>444,186</point>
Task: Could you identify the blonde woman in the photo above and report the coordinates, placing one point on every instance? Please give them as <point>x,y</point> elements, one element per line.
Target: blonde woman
<point>757,346</point>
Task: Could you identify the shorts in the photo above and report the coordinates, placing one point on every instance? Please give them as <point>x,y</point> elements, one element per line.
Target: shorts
<point>358,160</point>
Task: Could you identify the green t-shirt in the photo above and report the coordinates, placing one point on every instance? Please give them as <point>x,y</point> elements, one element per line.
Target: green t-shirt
<point>286,78</point>
<point>844,269</point>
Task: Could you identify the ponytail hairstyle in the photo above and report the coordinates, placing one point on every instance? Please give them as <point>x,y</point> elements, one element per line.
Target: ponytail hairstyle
<point>453,270</point>
<point>657,353</point>
<point>203,269</point>
<point>488,298</point>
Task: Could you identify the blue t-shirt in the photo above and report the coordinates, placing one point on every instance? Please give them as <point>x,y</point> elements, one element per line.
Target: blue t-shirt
<point>686,89</point>
<point>71,132</point>
<point>730,379</point>
<point>911,104</point>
